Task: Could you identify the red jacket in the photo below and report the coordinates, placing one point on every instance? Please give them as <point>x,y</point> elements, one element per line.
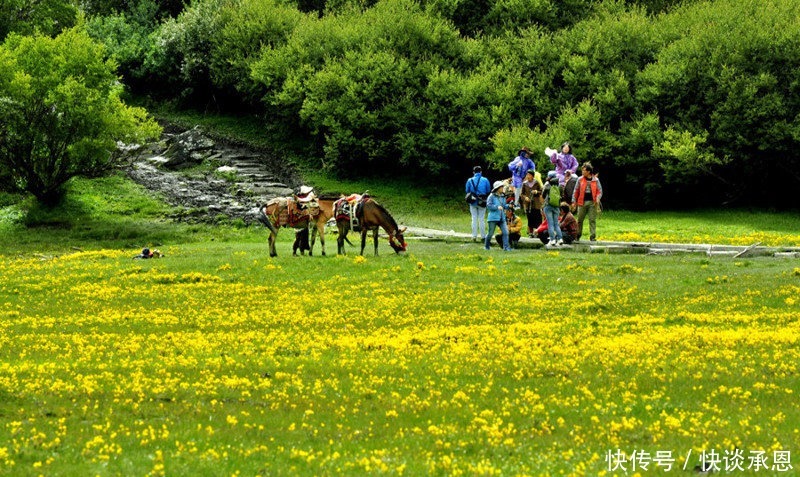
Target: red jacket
<point>580,190</point>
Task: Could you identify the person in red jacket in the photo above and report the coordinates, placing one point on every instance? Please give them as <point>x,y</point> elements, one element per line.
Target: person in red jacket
<point>586,199</point>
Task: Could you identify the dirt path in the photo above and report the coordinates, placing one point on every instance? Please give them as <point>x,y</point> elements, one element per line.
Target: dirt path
<point>207,179</point>
<point>648,248</point>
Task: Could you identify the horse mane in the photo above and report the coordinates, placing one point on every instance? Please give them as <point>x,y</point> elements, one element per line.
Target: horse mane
<point>333,197</point>
<point>386,214</point>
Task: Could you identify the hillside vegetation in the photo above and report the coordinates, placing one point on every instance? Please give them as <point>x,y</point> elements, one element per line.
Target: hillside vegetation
<point>677,104</point>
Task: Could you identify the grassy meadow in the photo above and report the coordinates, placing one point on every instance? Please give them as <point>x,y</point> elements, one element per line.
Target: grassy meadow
<point>448,360</point>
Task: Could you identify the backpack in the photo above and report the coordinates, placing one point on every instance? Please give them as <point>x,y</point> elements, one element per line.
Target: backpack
<point>471,197</point>
<point>554,199</point>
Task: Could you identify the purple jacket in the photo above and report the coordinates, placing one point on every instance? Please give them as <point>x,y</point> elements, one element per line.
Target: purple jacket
<point>519,167</point>
<point>563,162</point>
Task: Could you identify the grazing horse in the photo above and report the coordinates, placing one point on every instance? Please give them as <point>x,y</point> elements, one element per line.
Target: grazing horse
<point>287,212</point>
<point>371,215</point>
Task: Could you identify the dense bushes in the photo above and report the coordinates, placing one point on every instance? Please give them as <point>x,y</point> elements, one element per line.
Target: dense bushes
<point>675,102</point>
<point>25,17</point>
<point>680,109</point>
<point>384,86</point>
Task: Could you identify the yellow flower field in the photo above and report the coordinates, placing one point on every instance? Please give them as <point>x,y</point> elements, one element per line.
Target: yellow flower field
<point>218,360</point>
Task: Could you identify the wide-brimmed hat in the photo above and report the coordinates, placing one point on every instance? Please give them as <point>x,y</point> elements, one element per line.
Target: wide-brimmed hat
<point>497,185</point>
<point>525,150</point>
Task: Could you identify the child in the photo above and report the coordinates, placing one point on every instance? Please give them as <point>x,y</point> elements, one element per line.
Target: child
<point>514,225</point>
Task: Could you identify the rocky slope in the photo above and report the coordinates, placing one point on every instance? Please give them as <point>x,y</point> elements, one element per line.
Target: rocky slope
<point>208,179</point>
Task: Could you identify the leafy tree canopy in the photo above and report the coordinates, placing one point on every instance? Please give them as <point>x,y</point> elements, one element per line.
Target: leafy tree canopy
<point>61,111</point>
<point>48,17</point>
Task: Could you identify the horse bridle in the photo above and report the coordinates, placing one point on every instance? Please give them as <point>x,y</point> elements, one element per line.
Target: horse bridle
<point>393,239</point>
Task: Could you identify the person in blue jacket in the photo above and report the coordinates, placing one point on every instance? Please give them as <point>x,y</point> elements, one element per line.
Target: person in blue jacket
<point>480,188</point>
<point>496,205</point>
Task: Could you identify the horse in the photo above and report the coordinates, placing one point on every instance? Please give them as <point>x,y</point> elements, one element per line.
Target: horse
<point>288,212</point>
<point>370,215</point>
<point>344,212</point>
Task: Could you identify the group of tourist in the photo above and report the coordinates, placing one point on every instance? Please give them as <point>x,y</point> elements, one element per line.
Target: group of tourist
<point>548,205</point>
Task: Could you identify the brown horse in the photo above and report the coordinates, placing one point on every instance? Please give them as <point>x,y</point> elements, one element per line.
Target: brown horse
<point>287,212</point>
<point>371,215</point>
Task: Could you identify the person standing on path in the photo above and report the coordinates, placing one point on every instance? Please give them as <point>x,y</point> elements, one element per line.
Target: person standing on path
<point>552,203</point>
<point>570,181</point>
<point>496,205</point>
<point>586,199</point>
<point>479,187</point>
<point>531,200</point>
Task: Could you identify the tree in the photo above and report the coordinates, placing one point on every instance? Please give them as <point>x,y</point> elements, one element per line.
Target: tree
<point>61,112</point>
<point>45,16</point>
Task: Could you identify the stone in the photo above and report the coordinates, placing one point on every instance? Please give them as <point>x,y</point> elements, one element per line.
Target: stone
<point>203,197</point>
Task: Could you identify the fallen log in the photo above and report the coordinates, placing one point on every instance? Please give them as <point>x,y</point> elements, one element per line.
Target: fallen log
<point>746,250</point>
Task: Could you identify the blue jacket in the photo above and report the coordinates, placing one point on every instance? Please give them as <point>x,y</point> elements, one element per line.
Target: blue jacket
<point>478,185</point>
<point>495,214</point>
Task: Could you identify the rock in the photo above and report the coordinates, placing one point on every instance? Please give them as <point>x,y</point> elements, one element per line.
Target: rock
<point>205,197</point>
<point>187,149</point>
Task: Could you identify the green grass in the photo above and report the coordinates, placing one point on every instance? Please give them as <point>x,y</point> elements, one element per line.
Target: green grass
<point>114,212</point>
<point>449,360</point>
<point>110,212</point>
<point>218,360</point>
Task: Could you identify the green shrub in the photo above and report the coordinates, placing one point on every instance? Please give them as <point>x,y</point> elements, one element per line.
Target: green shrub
<point>61,112</point>
<point>182,47</point>
<point>361,83</point>
<point>247,27</point>
<point>45,17</point>
<point>128,39</point>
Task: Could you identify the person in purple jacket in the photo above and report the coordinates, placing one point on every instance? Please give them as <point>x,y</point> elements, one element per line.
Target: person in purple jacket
<point>519,167</point>
<point>563,161</point>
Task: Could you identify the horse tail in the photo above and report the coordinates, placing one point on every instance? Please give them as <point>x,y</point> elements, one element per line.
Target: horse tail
<point>264,219</point>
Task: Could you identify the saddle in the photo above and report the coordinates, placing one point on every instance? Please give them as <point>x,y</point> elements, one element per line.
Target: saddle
<point>346,208</point>
<point>292,213</point>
